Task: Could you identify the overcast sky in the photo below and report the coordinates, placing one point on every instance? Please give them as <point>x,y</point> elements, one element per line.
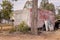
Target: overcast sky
<point>20,3</point>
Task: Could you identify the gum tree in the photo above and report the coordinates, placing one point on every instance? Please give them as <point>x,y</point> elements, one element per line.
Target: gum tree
<point>6,9</point>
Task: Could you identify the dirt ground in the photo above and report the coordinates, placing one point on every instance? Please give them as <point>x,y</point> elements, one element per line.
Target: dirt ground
<point>55,35</point>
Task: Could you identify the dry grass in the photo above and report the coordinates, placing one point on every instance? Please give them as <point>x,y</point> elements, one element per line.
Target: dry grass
<point>55,35</point>
<point>43,36</point>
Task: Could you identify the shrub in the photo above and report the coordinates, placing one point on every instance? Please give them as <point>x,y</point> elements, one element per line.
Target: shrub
<point>23,27</point>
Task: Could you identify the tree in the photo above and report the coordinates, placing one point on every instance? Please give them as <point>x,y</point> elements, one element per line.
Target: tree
<point>0,16</point>
<point>1,19</point>
<point>43,3</point>
<point>57,16</point>
<point>50,7</point>
<point>6,9</point>
<point>34,17</point>
<point>58,11</point>
<point>47,6</point>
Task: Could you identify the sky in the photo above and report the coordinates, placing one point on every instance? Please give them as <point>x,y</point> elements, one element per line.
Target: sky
<point>18,5</point>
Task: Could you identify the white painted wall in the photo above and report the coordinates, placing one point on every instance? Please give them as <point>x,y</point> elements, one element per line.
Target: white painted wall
<point>20,16</point>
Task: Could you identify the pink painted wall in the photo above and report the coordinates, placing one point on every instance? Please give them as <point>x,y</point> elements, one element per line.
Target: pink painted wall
<point>44,15</point>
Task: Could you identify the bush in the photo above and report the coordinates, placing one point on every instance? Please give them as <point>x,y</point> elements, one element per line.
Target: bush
<point>23,27</point>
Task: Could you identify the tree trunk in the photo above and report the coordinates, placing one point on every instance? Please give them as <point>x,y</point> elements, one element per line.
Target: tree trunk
<point>0,20</point>
<point>34,17</point>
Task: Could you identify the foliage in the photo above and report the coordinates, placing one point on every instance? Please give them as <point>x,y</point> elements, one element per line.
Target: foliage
<point>23,27</point>
<point>6,9</point>
<point>59,11</point>
<point>0,16</point>
<point>15,0</point>
<point>48,6</point>
<point>57,16</point>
